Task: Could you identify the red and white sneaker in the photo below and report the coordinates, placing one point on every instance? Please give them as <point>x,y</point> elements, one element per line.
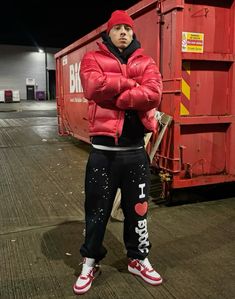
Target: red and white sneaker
<point>144,269</point>
<point>85,279</point>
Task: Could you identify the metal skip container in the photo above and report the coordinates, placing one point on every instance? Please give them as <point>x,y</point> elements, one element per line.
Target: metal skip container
<point>193,42</point>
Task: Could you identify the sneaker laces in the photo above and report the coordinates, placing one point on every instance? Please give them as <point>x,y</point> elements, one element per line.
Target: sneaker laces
<point>146,264</point>
<point>86,270</point>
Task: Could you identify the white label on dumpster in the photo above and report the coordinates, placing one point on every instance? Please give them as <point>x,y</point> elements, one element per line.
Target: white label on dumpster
<point>78,100</point>
<point>64,60</point>
<point>192,42</point>
<point>74,78</point>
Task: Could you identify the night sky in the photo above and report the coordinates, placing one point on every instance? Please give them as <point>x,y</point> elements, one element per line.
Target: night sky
<point>33,23</point>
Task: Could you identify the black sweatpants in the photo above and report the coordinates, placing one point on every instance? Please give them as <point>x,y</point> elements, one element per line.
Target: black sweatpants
<point>107,171</point>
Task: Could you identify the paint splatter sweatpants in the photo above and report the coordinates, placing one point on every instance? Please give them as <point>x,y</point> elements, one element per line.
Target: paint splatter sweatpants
<point>105,172</point>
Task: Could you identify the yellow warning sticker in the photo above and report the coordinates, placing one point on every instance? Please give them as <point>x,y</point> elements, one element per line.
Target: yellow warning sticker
<point>192,42</point>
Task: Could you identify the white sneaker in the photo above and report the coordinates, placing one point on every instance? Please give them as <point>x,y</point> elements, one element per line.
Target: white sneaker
<point>84,281</point>
<point>144,269</point>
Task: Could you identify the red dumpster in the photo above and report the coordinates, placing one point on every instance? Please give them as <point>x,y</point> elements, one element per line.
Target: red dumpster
<point>194,44</point>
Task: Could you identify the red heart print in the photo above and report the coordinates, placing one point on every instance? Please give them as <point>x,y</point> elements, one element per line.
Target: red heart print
<point>141,208</point>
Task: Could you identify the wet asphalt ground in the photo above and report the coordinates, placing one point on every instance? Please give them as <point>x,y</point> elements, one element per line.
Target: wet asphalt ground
<point>42,223</point>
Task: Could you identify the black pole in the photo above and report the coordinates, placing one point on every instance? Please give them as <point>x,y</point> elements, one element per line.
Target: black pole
<point>46,70</point>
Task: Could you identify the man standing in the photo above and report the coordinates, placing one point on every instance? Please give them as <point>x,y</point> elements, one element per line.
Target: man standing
<point>123,87</point>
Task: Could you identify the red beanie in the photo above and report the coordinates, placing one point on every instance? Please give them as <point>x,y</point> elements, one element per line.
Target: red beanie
<point>119,17</point>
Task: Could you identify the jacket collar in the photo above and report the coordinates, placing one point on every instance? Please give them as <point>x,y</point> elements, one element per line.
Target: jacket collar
<point>121,56</point>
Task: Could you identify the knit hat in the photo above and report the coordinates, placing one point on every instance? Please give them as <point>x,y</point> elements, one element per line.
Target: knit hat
<point>119,17</point>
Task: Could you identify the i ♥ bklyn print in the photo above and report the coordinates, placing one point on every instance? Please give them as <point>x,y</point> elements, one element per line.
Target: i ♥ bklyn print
<point>141,229</point>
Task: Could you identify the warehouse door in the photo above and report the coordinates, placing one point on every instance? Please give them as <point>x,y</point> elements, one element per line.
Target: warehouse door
<point>30,92</point>
<point>52,93</point>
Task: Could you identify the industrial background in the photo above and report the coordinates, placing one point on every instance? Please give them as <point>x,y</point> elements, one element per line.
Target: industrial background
<point>44,147</point>
<point>28,70</point>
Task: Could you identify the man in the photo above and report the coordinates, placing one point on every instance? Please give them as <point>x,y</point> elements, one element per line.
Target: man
<point>123,87</point>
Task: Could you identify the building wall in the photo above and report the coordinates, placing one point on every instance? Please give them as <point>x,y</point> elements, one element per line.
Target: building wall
<point>20,62</point>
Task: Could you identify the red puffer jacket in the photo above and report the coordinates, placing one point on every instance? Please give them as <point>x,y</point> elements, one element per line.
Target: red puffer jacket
<point>111,88</point>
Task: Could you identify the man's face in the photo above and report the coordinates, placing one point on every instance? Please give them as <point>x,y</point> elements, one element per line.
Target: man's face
<point>121,36</point>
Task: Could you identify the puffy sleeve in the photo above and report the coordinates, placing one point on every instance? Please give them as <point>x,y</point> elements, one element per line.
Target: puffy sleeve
<point>101,87</point>
<point>147,95</point>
